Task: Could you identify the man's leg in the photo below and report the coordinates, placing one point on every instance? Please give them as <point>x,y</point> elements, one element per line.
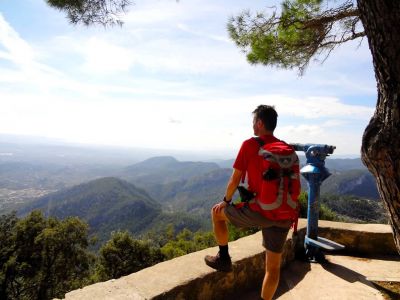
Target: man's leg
<point>219,220</point>
<point>222,261</point>
<point>272,273</point>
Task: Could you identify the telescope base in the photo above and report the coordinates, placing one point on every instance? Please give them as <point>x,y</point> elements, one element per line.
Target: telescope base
<point>313,248</point>
<point>323,243</point>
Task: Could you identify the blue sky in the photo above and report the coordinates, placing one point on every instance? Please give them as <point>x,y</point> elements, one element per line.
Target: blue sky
<point>169,78</point>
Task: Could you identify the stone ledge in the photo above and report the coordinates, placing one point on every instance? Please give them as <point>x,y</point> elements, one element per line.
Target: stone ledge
<point>360,239</point>
<point>187,277</point>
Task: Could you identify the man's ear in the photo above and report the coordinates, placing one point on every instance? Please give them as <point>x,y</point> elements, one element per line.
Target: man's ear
<point>259,124</point>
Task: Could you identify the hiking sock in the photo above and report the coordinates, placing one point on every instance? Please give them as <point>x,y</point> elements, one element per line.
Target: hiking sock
<point>223,251</point>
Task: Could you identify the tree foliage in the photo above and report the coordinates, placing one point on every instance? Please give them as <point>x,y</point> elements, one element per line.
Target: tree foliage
<point>7,225</point>
<point>88,12</point>
<point>346,208</point>
<point>186,242</point>
<point>325,212</point>
<point>123,255</point>
<point>299,31</point>
<point>42,258</point>
<point>355,209</point>
<point>237,233</point>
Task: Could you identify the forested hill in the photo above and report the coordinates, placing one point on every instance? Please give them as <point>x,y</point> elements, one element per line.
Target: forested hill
<point>359,183</point>
<point>103,203</point>
<point>195,195</point>
<point>94,196</point>
<point>109,204</point>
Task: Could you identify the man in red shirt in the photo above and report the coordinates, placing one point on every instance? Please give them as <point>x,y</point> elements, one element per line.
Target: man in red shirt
<point>248,162</point>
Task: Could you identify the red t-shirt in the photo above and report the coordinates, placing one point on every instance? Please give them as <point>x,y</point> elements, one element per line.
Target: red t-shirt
<point>249,162</point>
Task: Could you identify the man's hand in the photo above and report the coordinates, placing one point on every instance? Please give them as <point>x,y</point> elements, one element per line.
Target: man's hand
<point>217,208</point>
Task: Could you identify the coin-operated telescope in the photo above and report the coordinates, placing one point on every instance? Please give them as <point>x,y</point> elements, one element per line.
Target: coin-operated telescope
<point>315,173</point>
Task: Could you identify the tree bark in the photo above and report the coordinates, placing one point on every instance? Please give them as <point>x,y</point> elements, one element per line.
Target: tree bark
<point>381,140</point>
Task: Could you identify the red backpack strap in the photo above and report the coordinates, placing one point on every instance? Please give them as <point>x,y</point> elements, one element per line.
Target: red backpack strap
<point>261,143</point>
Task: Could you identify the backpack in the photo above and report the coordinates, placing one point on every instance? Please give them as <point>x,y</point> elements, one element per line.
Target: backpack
<point>280,188</point>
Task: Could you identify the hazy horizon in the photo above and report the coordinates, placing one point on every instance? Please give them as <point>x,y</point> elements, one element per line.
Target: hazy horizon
<point>136,154</point>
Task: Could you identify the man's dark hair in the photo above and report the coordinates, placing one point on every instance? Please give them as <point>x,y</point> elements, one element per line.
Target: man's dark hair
<point>268,115</point>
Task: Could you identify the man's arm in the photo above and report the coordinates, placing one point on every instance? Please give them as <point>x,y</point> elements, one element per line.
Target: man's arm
<point>233,184</point>
<point>230,190</point>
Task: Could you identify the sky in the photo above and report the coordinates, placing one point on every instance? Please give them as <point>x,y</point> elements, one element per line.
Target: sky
<point>169,78</point>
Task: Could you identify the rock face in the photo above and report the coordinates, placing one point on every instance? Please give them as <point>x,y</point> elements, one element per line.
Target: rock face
<point>187,277</point>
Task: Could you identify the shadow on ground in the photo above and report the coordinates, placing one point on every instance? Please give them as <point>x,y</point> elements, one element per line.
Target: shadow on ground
<point>346,273</point>
<point>296,271</point>
<point>291,275</point>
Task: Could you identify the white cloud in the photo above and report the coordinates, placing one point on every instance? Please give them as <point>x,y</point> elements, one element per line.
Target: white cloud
<point>331,132</point>
<point>17,49</point>
<point>313,107</point>
<point>106,58</point>
<point>10,76</point>
<point>301,131</point>
<point>150,13</point>
<point>22,57</point>
<point>335,123</point>
<point>187,58</point>
<point>220,38</point>
<point>157,37</point>
<point>163,52</point>
<point>205,124</point>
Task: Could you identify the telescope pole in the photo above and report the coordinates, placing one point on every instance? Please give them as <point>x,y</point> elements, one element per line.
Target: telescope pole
<point>313,205</point>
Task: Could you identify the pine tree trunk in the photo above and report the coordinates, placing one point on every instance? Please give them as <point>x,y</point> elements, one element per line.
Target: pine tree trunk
<point>381,141</point>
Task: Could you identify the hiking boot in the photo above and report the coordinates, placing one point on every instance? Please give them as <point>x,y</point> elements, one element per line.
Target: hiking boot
<point>218,263</point>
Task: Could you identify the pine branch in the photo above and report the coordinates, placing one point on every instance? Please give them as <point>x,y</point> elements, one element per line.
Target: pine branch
<point>89,12</point>
<point>300,33</point>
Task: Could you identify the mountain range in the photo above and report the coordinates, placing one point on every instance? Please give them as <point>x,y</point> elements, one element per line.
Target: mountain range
<point>197,194</point>
<point>194,195</point>
<point>152,193</point>
<point>358,183</point>
<point>110,204</point>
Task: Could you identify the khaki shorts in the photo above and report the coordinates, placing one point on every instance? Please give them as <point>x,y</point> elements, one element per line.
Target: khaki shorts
<point>274,232</point>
